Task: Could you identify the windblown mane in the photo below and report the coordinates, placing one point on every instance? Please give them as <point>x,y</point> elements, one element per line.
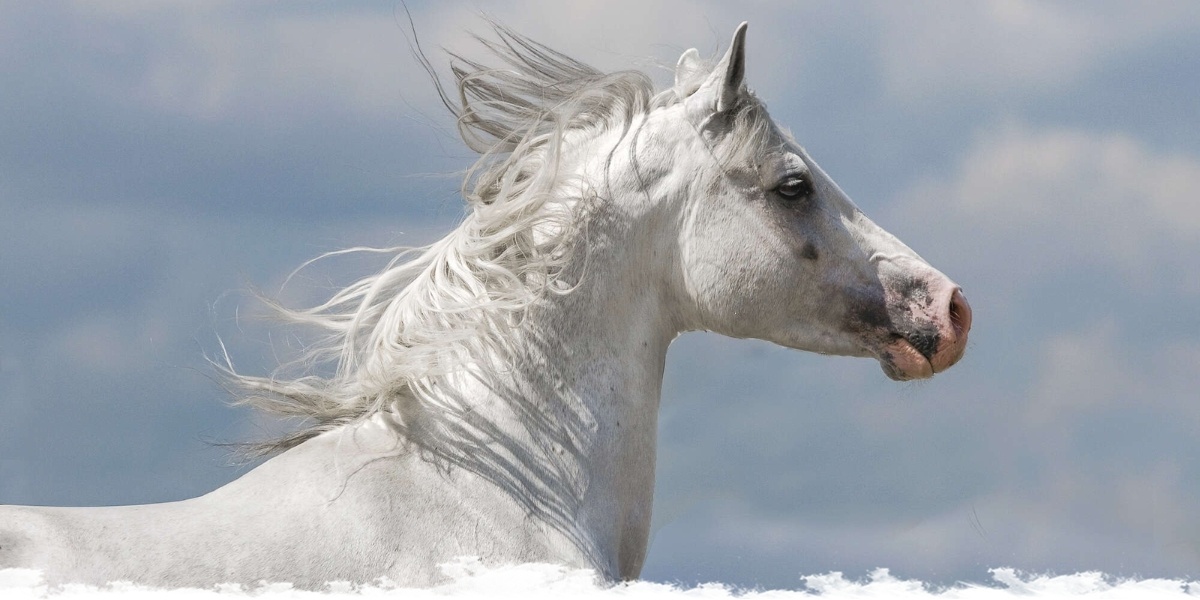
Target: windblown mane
<point>390,337</point>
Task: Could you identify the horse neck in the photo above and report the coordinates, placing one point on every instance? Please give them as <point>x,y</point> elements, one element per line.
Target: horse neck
<point>566,421</point>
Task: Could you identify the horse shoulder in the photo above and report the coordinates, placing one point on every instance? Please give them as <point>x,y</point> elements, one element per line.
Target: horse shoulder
<point>402,512</point>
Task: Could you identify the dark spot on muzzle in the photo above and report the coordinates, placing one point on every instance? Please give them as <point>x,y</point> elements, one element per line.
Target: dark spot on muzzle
<point>809,251</point>
<point>925,341</point>
<point>914,295</point>
<point>867,312</point>
<point>914,290</point>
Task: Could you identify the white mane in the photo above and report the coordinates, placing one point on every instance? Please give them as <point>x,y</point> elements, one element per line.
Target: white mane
<point>392,335</point>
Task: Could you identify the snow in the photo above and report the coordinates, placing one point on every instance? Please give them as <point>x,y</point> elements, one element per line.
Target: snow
<point>468,579</point>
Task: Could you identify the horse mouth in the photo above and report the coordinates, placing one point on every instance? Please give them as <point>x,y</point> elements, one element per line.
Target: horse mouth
<point>901,361</point>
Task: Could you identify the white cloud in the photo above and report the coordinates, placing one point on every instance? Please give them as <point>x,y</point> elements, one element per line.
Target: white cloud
<point>216,60</point>
<point>1079,371</point>
<point>1095,369</point>
<point>1025,202</point>
<point>211,60</point>
<point>1002,48</point>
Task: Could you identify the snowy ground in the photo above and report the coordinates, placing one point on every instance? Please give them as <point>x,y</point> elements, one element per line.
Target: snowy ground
<point>533,582</point>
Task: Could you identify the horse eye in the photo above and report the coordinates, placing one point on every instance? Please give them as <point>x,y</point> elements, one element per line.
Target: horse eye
<point>794,187</point>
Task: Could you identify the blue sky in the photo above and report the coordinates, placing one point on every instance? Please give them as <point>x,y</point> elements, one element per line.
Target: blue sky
<point>157,160</point>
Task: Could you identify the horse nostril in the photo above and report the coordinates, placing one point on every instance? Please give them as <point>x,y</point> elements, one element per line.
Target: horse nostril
<point>960,314</point>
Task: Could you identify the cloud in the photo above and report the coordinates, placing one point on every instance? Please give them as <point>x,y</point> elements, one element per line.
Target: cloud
<point>1095,369</point>
<point>1079,371</point>
<point>219,60</point>
<point>1028,202</point>
<point>998,49</point>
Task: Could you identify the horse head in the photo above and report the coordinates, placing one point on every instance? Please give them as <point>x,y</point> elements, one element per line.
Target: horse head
<point>769,247</point>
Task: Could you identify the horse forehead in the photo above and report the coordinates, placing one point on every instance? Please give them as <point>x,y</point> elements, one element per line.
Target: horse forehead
<point>679,142</point>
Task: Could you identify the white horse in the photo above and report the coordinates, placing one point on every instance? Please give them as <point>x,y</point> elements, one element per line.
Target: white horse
<point>496,393</point>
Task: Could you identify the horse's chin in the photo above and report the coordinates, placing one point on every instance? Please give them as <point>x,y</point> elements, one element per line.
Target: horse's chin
<point>902,362</point>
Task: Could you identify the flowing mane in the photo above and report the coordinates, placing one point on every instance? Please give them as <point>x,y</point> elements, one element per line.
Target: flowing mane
<point>392,335</point>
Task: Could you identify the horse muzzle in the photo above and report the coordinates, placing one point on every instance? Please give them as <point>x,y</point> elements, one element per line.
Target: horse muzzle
<point>938,340</point>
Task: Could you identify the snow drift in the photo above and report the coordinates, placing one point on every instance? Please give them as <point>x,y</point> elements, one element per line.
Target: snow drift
<point>467,578</point>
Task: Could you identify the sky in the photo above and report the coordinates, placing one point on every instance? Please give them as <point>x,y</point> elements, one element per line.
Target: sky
<point>160,160</point>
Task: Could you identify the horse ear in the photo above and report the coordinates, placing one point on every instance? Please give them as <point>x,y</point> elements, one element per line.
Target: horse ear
<point>719,92</point>
<point>733,70</point>
<point>688,73</point>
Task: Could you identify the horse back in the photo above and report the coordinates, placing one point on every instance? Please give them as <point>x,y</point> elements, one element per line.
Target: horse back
<point>96,545</point>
